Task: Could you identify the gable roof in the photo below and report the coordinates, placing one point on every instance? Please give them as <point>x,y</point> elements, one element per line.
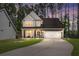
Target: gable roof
<point>28,17</point>
<point>32,16</point>
<point>13,25</point>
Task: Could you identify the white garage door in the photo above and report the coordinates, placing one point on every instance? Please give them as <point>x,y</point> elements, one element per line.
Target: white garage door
<point>52,34</point>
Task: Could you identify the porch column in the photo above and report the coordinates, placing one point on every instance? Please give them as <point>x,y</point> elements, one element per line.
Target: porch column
<point>24,34</point>
<point>62,34</point>
<point>41,34</point>
<point>35,33</point>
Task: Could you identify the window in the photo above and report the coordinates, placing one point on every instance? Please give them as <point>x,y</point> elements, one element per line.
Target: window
<point>29,24</point>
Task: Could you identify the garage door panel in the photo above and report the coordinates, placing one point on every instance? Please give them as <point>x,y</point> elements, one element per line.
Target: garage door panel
<point>52,34</point>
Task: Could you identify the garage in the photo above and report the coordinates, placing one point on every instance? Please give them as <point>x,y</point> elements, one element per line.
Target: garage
<point>53,34</point>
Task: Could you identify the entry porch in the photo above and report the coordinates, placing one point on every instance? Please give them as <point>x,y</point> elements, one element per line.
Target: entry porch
<point>32,33</point>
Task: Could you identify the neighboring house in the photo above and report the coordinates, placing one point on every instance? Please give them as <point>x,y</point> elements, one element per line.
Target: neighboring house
<point>7,27</point>
<point>36,27</point>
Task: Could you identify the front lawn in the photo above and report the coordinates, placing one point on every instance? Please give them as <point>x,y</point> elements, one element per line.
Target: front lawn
<point>7,45</point>
<point>75,43</point>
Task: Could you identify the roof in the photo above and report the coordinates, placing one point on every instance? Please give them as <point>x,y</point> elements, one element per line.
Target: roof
<point>28,18</point>
<point>13,25</point>
<point>51,23</point>
<point>32,16</point>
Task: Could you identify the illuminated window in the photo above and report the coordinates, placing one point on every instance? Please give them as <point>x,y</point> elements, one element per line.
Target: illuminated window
<point>29,23</point>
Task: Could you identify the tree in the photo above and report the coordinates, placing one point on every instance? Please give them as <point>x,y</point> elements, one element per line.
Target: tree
<point>60,5</point>
<point>73,21</point>
<point>66,24</point>
<point>78,21</point>
<point>52,8</point>
<point>20,16</point>
<point>21,13</point>
<point>42,9</point>
<point>68,21</point>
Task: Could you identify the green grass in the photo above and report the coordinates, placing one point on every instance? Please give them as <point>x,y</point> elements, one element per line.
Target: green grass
<point>7,45</point>
<point>75,43</point>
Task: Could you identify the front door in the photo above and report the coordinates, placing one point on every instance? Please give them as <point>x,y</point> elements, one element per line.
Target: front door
<point>38,34</point>
<point>29,33</point>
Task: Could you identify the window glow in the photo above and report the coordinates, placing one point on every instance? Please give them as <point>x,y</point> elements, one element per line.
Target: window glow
<point>29,24</point>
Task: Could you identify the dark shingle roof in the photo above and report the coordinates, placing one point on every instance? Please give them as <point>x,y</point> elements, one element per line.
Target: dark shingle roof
<point>51,23</point>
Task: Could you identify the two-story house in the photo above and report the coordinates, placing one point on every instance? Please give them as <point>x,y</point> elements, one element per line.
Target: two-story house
<point>36,27</point>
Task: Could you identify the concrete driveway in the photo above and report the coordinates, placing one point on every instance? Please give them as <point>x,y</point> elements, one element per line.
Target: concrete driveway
<point>48,47</point>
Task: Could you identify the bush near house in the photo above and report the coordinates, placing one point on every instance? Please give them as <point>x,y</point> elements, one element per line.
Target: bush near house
<point>75,43</point>
<point>7,45</point>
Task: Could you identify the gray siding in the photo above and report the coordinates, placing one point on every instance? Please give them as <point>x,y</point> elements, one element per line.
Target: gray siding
<point>6,32</point>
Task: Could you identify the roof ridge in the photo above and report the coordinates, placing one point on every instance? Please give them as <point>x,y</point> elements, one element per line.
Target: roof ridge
<point>30,14</point>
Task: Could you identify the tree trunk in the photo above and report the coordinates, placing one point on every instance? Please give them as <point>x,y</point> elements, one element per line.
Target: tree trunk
<point>78,21</point>
<point>73,22</point>
<point>68,21</point>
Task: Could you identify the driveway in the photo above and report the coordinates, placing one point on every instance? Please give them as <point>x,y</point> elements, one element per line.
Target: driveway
<point>48,47</point>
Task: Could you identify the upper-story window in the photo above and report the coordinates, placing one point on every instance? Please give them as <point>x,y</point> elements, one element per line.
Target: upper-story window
<point>29,24</point>
<point>32,23</point>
